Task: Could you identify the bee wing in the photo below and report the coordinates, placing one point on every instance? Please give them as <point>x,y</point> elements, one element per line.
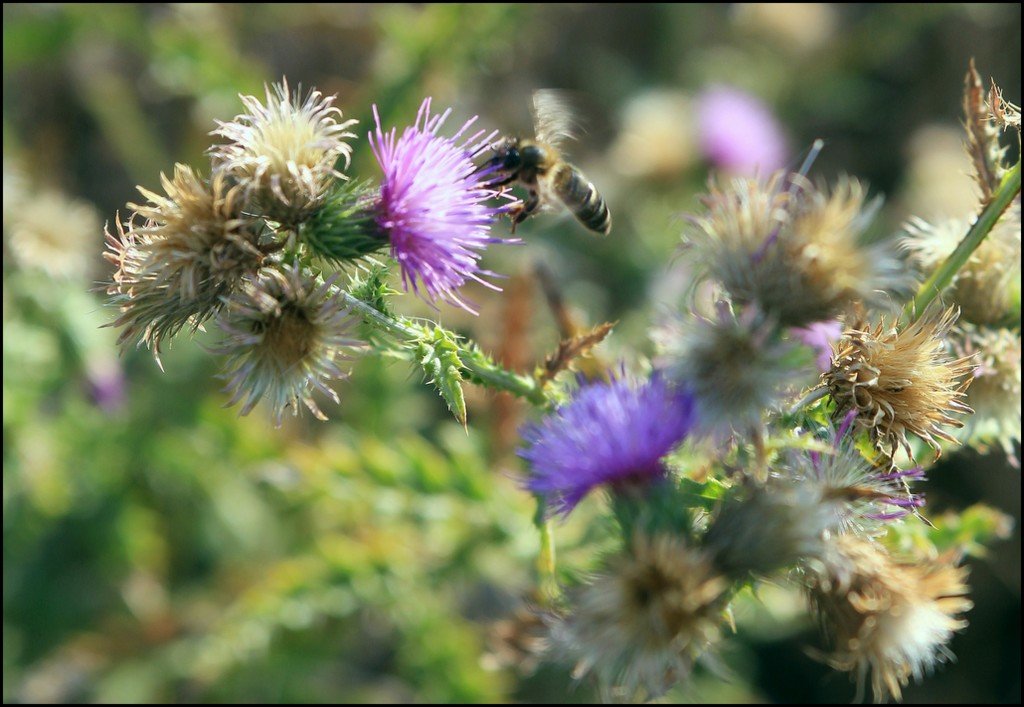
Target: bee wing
<point>553,120</point>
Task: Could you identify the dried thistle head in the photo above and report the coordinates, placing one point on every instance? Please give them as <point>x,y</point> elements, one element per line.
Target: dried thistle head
<point>640,625</point>
<point>284,153</point>
<point>888,617</point>
<point>995,391</point>
<point>764,528</point>
<point>796,252</point>
<point>810,496</point>
<point>50,232</point>
<point>982,133</point>
<point>194,248</point>
<point>900,381</point>
<point>735,365</point>
<point>519,641</point>
<point>285,336</point>
<point>987,287</point>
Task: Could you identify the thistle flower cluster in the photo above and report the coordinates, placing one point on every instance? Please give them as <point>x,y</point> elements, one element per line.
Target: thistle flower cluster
<point>244,246</point>
<point>987,286</point>
<point>728,464</point>
<point>777,437</point>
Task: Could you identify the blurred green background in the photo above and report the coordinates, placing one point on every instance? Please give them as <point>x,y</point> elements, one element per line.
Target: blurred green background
<point>159,548</point>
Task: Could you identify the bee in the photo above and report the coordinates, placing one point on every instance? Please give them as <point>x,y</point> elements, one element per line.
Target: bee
<point>537,164</point>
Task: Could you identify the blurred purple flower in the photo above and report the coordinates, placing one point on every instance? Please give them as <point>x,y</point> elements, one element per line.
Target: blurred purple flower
<point>433,204</point>
<point>107,386</point>
<point>820,336</point>
<point>739,133</point>
<point>610,433</point>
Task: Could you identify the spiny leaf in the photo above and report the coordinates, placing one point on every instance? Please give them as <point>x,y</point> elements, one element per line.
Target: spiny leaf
<point>982,136</point>
<point>371,286</point>
<point>570,349</point>
<point>437,353</point>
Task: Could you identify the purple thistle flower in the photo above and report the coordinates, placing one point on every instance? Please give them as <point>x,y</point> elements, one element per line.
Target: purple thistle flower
<point>433,204</point>
<point>820,336</point>
<point>739,133</point>
<point>610,433</point>
<point>107,386</point>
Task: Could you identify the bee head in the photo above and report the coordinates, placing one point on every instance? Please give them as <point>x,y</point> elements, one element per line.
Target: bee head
<point>505,157</point>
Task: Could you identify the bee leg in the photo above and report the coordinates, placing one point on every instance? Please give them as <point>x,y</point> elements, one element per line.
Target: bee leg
<point>529,207</point>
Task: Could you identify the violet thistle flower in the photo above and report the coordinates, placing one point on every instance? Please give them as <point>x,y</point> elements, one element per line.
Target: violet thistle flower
<point>735,365</point>
<point>890,618</point>
<point>285,337</point>
<point>284,153</point>
<point>987,287</point>
<point>640,625</point>
<point>820,336</point>
<point>195,247</point>
<point>613,433</point>
<point>793,249</point>
<point>738,132</point>
<point>433,206</point>
<point>901,381</point>
<point>107,385</point>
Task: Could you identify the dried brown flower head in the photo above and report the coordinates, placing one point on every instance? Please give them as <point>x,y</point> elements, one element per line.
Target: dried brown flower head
<point>639,626</point>
<point>194,248</point>
<point>519,641</point>
<point>796,252</point>
<point>286,335</point>
<point>995,391</point>
<point>900,380</point>
<point>735,364</point>
<point>987,287</point>
<point>51,232</point>
<point>891,618</point>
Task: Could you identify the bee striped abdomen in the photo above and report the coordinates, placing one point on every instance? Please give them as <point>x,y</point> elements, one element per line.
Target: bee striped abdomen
<point>582,198</point>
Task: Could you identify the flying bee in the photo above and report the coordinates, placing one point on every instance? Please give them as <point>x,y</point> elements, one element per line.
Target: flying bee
<point>537,164</point>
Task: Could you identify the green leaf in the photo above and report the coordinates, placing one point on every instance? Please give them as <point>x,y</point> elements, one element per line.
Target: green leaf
<point>437,353</point>
<point>371,286</point>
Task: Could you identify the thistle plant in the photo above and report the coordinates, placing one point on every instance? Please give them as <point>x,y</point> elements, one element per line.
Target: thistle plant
<point>778,436</point>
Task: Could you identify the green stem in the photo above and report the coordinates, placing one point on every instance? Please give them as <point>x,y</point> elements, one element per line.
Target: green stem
<point>547,579</point>
<point>481,369</point>
<point>943,276</point>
